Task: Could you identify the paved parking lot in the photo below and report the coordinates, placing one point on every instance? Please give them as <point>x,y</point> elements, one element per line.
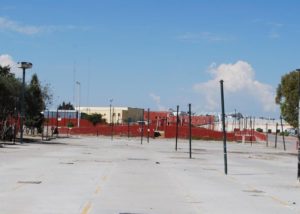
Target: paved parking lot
<point>96,175</point>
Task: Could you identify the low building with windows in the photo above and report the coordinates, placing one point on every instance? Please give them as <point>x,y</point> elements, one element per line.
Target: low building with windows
<point>116,115</point>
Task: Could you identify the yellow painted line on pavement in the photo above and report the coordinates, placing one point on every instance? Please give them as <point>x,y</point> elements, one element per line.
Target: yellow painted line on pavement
<point>87,208</point>
<point>280,201</point>
<point>252,188</point>
<point>18,187</point>
<point>98,189</point>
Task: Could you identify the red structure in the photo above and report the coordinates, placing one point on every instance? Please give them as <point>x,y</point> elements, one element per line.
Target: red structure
<point>163,121</point>
<point>165,118</point>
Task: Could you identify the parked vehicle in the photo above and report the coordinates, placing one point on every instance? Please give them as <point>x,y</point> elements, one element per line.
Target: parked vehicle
<point>292,131</point>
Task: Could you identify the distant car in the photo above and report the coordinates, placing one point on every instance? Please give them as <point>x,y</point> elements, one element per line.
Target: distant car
<point>292,131</point>
<point>142,122</point>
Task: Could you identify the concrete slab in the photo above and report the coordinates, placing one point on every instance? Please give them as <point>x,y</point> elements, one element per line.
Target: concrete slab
<point>96,175</point>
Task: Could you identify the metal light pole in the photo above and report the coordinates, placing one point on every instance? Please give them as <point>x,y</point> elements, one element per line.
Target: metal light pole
<point>282,133</point>
<point>128,128</point>
<point>251,130</point>
<point>177,120</point>
<point>24,66</point>
<point>267,135</point>
<point>223,126</point>
<point>234,119</point>
<point>190,129</point>
<point>142,129</point>
<point>113,122</point>
<point>47,132</point>
<point>276,135</point>
<point>110,120</point>
<point>57,122</point>
<point>148,125</point>
<point>79,88</point>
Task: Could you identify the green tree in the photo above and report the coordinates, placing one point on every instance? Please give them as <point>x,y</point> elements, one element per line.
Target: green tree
<point>66,106</point>
<point>287,97</point>
<point>5,71</point>
<point>35,103</point>
<point>93,118</point>
<point>10,90</point>
<point>9,93</point>
<point>9,99</point>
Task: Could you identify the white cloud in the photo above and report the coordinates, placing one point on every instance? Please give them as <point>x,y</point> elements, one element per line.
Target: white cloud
<point>206,36</point>
<point>10,25</point>
<point>274,35</point>
<point>7,60</point>
<point>239,79</point>
<point>157,101</point>
<point>275,30</point>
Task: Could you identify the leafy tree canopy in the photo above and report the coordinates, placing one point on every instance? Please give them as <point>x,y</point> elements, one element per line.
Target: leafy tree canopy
<point>66,106</point>
<point>93,118</point>
<point>9,93</point>
<point>36,97</point>
<point>35,103</point>
<point>287,97</point>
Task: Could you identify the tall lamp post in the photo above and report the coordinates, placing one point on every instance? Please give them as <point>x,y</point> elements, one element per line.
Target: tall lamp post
<point>78,121</point>
<point>24,66</point>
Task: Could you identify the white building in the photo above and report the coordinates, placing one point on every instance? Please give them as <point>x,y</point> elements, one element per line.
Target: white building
<point>254,123</point>
<point>114,114</point>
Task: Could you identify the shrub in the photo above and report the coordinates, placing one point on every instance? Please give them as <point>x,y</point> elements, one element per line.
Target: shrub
<point>70,125</point>
<point>259,130</point>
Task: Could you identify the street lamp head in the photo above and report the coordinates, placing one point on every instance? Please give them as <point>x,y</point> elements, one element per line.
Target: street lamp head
<point>25,65</point>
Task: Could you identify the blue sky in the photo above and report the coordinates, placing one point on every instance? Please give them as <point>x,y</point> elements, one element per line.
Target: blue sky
<point>156,53</point>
